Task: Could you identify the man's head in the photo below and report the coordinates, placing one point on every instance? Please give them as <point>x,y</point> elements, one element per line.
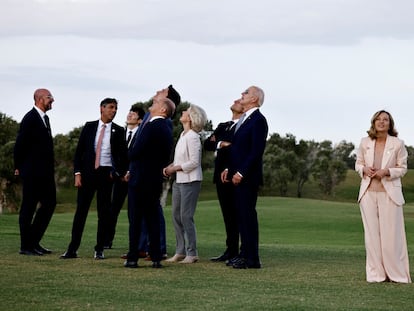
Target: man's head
<point>135,116</point>
<point>252,97</point>
<point>174,95</point>
<point>236,109</point>
<point>43,99</point>
<point>109,107</point>
<point>162,107</point>
<point>169,93</point>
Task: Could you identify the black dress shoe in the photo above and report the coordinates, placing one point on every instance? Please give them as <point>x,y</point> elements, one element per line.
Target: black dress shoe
<point>99,255</point>
<point>245,264</point>
<point>68,255</point>
<point>32,252</point>
<point>233,260</point>
<point>131,264</point>
<point>42,250</point>
<point>156,265</point>
<point>221,258</point>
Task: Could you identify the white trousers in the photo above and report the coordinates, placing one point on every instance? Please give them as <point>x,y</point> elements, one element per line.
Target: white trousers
<point>385,240</point>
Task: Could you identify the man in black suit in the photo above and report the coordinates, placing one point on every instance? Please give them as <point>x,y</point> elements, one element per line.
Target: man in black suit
<point>245,171</point>
<point>220,142</point>
<point>120,189</point>
<point>100,158</point>
<point>171,93</point>
<point>34,163</point>
<point>149,155</point>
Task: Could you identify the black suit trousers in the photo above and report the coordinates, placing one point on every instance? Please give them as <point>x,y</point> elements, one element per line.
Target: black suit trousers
<point>245,200</point>
<point>100,183</point>
<point>143,205</point>
<point>225,194</point>
<point>33,223</point>
<point>119,194</point>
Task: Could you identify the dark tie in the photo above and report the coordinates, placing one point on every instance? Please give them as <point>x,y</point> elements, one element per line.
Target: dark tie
<point>47,124</point>
<point>129,137</point>
<point>99,146</point>
<point>229,125</point>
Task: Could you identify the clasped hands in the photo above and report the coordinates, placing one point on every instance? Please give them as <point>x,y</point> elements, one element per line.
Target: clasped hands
<point>236,179</point>
<point>372,172</point>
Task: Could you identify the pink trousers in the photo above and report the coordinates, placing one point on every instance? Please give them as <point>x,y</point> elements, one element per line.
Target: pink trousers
<point>385,240</point>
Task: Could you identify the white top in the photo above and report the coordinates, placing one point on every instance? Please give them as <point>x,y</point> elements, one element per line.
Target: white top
<point>105,159</point>
<point>188,156</point>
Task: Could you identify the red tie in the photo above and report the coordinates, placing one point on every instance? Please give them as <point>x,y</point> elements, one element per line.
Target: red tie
<point>98,146</point>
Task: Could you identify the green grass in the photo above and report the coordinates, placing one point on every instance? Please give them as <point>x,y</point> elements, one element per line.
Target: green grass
<point>312,253</point>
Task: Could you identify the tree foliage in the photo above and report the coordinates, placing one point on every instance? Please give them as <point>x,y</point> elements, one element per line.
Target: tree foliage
<point>9,187</point>
<point>286,162</point>
<point>329,168</point>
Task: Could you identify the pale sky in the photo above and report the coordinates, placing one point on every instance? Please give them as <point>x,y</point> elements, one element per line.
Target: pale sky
<point>325,65</point>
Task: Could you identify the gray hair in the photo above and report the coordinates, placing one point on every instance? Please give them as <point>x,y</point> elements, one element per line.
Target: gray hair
<point>169,107</point>
<point>259,93</point>
<point>198,118</point>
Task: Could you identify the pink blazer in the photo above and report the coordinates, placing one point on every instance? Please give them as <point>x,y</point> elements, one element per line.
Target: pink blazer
<point>394,158</point>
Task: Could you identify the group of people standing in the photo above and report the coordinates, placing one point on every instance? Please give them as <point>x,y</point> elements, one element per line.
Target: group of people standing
<point>113,162</point>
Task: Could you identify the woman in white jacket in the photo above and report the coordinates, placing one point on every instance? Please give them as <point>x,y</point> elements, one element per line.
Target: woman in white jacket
<point>381,162</point>
<point>187,184</point>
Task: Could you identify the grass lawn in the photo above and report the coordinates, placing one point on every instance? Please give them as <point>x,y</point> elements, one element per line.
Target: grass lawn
<point>312,253</point>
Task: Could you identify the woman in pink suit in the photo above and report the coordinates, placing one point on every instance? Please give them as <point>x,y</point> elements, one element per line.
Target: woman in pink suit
<point>381,162</point>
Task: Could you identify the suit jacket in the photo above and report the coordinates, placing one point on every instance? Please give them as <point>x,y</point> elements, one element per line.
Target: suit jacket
<point>84,161</point>
<point>394,158</point>
<point>223,132</point>
<point>150,153</point>
<point>188,155</point>
<point>247,149</point>
<point>33,150</point>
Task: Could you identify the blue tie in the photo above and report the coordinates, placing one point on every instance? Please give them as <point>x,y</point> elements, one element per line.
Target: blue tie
<point>239,123</point>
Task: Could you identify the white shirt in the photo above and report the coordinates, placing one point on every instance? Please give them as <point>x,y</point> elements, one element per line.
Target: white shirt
<point>106,158</point>
<point>133,131</point>
<point>42,114</point>
<point>249,112</point>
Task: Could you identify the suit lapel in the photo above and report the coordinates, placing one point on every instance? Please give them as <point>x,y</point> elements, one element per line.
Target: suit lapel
<point>370,152</point>
<point>388,151</point>
<point>246,121</point>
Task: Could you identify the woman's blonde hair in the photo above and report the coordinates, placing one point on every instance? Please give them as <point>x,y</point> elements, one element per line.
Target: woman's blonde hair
<point>372,132</point>
<point>198,117</point>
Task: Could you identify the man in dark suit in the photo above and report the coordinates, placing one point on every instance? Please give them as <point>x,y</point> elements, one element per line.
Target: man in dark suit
<point>220,142</point>
<point>149,155</point>
<point>100,157</point>
<point>120,189</point>
<point>171,93</point>
<point>245,171</point>
<point>34,163</point>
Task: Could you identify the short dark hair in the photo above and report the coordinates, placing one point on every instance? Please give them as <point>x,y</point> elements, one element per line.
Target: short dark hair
<point>109,100</point>
<point>138,110</point>
<point>174,95</point>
